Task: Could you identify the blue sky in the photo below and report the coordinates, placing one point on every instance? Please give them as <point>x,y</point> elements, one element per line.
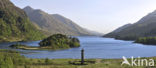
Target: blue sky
<point>98,15</point>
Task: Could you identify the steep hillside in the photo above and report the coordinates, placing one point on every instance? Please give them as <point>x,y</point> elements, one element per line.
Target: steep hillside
<point>143,28</point>
<point>15,25</point>
<point>54,23</point>
<point>121,28</point>
<point>113,33</point>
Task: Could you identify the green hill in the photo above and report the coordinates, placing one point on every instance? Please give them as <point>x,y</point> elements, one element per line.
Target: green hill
<point>59,41</point>
<point>145,27</point>
<point>15,25</point>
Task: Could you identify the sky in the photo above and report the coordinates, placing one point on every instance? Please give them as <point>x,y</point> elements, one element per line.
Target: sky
<point>98,15</point>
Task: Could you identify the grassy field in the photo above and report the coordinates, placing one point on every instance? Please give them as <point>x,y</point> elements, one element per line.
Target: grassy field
<point>100,63</point>
<point>12,59</point>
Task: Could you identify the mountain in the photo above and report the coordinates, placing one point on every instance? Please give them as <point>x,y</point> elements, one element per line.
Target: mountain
<point>145,27</point>
<point>54,23</point>
<point>113,33</point>
<point>15,25</point>
<point>121,28</point>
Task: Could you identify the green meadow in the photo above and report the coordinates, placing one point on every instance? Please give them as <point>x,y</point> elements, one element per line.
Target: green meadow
<point>13,59</point>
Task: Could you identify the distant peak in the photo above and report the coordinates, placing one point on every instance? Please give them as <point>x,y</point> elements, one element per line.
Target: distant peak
<point>28,8</point>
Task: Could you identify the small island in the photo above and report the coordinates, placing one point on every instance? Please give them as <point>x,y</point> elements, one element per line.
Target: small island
<point>146,40</point>
<point>59,41</point>
<point>56,41</point>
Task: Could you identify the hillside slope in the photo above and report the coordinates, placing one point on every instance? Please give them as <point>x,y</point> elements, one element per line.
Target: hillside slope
<point>15,25</point>
<point>145,27</point>
<point>54,23</point>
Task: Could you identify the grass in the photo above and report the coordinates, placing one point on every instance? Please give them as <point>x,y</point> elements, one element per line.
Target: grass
<point>100,63</point>
<point>19,61</point>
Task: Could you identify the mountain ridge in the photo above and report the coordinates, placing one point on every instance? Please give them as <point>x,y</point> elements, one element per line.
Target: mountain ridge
<point>54,23</point>
<point>145,27</point>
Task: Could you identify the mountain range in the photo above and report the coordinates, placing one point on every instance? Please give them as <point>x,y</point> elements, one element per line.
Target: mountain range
<point>145,27</point>
<point>54,23</point>
<point>15,25</point>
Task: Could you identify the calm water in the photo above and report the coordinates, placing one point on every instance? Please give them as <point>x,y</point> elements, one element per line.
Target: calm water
<point>95,47</point>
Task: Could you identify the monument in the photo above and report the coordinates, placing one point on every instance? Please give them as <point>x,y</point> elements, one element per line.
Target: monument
<point>82,56</point>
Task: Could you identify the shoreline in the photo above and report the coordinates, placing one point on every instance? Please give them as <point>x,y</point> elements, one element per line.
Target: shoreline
<point>64,63</point>
<point>25,47</point>
<point>94,58</point>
